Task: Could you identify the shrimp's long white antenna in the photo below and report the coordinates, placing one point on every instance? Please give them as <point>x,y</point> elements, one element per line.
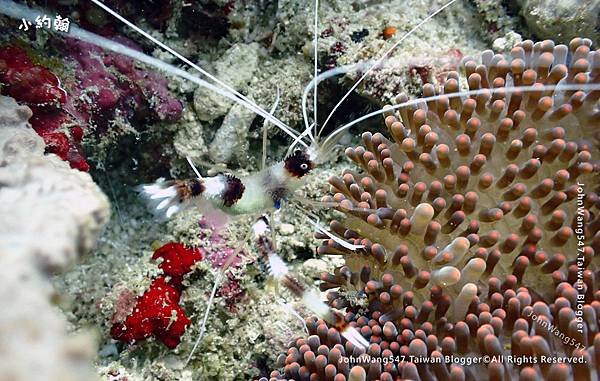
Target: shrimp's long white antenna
<point>382,58</point>
<point>504,90</point>
<point>313,83</point>
<point>316,59</point>
<point>191,163</point>
<point>266,130</point>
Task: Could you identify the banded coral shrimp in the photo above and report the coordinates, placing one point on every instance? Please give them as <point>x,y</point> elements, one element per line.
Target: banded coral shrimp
<point>268,188</point>
<point>295,166</point>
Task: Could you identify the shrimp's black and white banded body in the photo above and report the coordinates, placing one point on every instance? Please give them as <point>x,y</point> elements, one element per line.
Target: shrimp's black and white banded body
<point>255,193</point>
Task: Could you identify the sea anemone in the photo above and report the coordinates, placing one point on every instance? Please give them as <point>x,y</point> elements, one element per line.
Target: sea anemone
<point>479,217</point>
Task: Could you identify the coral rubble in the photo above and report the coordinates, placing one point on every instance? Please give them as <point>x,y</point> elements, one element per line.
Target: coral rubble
<point>561,20</point>
<point>50,215</point>
<point>480,220</point>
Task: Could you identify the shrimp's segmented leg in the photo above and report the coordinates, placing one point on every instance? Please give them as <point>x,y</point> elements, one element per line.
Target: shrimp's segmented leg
<point>315,221</point>
<point>310,298</point>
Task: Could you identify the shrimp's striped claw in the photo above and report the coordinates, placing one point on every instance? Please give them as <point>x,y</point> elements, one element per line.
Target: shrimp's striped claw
<point>165,198</point>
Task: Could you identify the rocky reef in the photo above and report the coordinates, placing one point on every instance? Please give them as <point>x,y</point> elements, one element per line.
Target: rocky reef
<point>51,216</point>
<point>562,20</point>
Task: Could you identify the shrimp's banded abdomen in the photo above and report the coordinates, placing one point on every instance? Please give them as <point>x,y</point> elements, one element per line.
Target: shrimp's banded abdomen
<point>166,198</point>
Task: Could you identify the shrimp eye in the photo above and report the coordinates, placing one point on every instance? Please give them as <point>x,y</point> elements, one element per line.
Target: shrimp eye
<point>298,164</point>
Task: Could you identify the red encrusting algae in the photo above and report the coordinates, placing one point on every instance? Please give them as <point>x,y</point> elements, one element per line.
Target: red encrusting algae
<point>40,89</point>
<point>177,260</point>
<point>157,312</point>
<point>107,86</point>
<point>102,88</point>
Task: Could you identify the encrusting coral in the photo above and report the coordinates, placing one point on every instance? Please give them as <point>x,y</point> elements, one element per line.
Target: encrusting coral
<point>479,217</point>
